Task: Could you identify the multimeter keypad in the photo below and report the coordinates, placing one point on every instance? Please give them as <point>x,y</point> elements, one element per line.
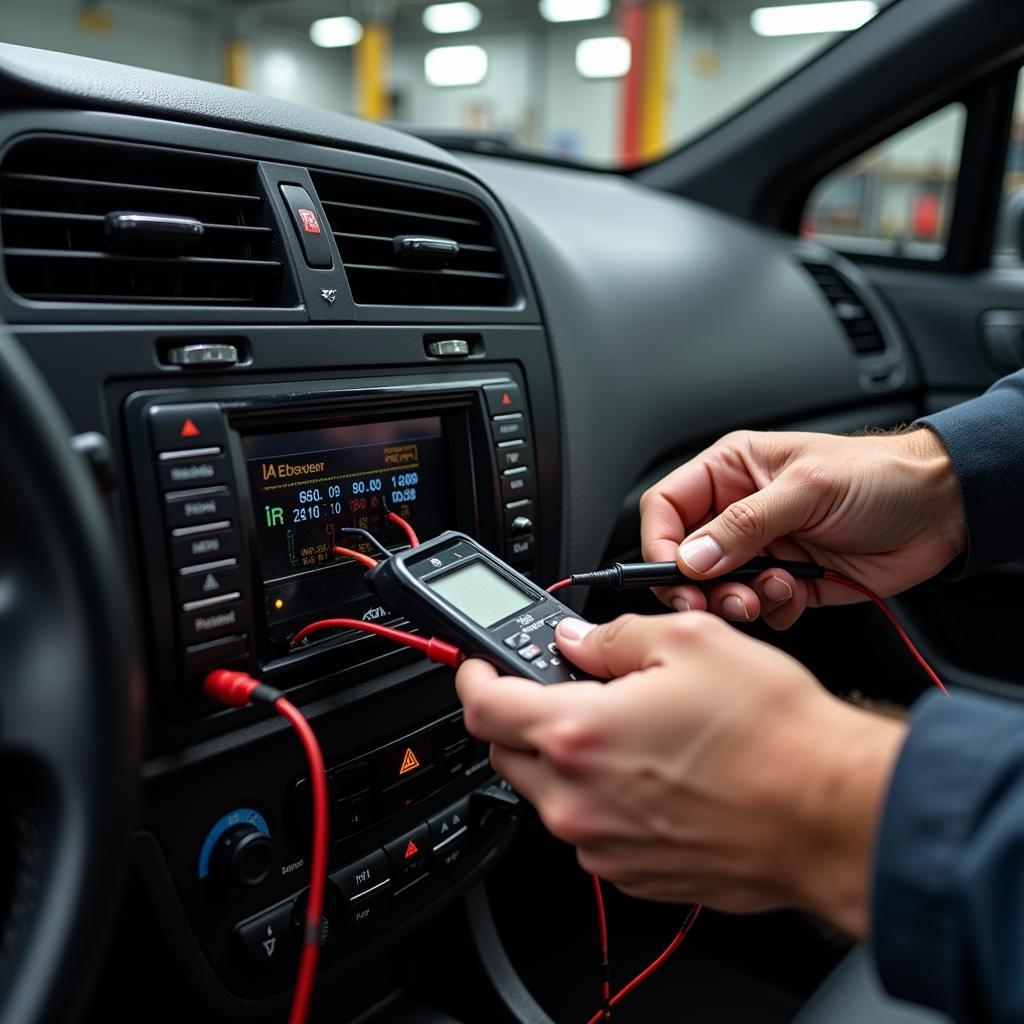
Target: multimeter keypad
<point>538,647</point>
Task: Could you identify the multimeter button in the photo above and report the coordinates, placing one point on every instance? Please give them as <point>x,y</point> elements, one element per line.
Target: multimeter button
<point>529,653</point>
<point>517,640</point>
<point>555,661</point>
<point>541,664</point>
<point>553,621</point>
<point>553,648</point>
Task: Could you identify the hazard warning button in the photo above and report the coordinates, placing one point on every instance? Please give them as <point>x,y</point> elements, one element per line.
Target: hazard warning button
<point>502,398</point>
<point>409,855</point>
<point>406,759</point>
<point>182,427</point>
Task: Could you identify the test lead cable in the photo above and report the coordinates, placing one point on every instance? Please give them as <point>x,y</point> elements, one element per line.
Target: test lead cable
<point>237,689</point>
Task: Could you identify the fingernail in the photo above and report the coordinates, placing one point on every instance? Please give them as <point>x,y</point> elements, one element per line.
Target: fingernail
<point>734,608</point>
<point>680,604</point>
<point>574,629</point>
<point>701,554</point>
<point>777,589</point>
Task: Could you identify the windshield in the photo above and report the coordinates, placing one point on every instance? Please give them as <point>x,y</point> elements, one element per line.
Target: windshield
<point>598,81</point>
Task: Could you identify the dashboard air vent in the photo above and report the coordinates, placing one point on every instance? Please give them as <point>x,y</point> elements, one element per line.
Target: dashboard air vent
<point>853,315</point>
<point>411,245</point>
<point>95,221</point>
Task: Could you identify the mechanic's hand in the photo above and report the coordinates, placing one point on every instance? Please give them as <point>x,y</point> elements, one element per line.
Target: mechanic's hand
<point>882,509</point>
<point>714,769</point>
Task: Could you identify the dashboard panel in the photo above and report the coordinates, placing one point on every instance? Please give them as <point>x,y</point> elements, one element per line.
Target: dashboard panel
<point>293,369</point>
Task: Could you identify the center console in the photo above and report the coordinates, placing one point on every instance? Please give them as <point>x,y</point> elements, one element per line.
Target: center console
<point>248,403</point>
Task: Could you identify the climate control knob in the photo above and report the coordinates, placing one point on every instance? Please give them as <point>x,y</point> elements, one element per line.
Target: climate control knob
<point>242,856</point>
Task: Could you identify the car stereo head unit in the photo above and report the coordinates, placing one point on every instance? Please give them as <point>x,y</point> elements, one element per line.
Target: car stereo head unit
<point>254,488</point>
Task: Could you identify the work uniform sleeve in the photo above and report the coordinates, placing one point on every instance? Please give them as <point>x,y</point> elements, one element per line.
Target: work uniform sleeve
<point>947,905</point>
<point>985,439</point>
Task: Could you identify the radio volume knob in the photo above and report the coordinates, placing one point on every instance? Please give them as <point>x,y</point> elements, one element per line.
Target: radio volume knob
<point>242,857</point>
<point>521,524</point>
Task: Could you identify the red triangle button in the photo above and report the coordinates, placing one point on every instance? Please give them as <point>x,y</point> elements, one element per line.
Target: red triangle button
<point>506,399</point>
<point>189,429</point>
<point>411,850</point>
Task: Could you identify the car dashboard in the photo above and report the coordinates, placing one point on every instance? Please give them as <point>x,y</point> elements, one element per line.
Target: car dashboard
<point>242,309</point>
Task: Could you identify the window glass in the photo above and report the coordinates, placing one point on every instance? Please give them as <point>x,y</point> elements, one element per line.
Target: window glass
<point>1009,234</point>
<point>896,199</point>
<point>613,82</point>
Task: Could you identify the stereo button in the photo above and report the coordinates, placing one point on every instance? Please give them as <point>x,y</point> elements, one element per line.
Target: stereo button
<point>203,547</point>
<point>511,454</point>
<point>508,428</point>
<point>182,474</point>
<point>209,623</point>
<point>210,581</point>
<point>194,508</point>
<point>520,549</point>
<point>516,483</point>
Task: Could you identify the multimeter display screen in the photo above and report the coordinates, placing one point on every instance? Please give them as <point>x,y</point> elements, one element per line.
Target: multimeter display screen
<point>480,592</point>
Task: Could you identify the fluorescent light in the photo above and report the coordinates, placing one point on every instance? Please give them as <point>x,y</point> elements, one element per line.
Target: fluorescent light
<point>574,10</point>
<point>603,57</point>
<point>332,32</point>
<point>457,17</point>
<point>804,19</point>
<point>280,70</point>
<point>455,65</point>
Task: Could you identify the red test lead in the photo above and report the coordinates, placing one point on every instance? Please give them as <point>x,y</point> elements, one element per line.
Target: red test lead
<point>237,689</point>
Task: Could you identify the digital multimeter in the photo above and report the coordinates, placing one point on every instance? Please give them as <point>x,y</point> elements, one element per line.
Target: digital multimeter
<point>452,587</point>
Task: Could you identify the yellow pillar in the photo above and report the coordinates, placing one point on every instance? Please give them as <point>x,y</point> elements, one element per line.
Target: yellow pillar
<point>236,63</point>
<point>663,21</point>
<point>373,100</point>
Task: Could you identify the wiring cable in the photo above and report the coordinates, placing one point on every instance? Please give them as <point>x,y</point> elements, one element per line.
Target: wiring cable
<point>394,517</point>
<point>355,531</point>
<point>236,689</point>
<point>364,560</point>
<point>434,648</point>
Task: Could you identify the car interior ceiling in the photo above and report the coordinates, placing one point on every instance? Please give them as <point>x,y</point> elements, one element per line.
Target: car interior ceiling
<point>191,405</point>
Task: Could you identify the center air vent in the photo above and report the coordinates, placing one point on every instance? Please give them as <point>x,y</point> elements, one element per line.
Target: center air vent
<point>853,315</point>
<point>409,245</point>
<point>92,221</point>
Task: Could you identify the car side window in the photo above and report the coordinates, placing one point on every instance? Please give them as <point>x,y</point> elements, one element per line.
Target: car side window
<point>1009,246</point>
<point>895,199</point>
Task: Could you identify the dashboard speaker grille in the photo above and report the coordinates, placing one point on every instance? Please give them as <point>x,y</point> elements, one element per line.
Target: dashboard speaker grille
<point>859,325</point>
<point>55,198</point>
<point>368,215</point>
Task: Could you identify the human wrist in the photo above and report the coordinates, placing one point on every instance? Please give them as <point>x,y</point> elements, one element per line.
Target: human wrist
<point>935,482</point>
<point>845,760</point>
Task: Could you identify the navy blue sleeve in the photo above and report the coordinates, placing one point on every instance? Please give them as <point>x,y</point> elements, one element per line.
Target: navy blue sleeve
<point>985,439</point>
<point>947,905</point>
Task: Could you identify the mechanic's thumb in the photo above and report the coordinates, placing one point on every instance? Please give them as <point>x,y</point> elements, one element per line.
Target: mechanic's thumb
<point>611,650</point>
<point>743,529</point>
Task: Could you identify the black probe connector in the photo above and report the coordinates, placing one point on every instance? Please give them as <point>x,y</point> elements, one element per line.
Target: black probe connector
<point>634,575</point>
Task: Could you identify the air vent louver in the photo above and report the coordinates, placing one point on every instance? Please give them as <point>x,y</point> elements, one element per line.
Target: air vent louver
<point>367,215</point>
<point>853,315</point>
<point>55,194</point>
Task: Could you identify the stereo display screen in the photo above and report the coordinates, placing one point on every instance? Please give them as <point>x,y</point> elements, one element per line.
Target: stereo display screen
<point>307,485</point>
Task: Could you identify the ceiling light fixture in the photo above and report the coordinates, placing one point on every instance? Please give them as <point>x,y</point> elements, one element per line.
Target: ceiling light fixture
<point>806,19</point>
<point>455,65</point>
<point>604,57</point>
<point>332,32</point>
<point>574,10</point>
<point>455,17</point>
